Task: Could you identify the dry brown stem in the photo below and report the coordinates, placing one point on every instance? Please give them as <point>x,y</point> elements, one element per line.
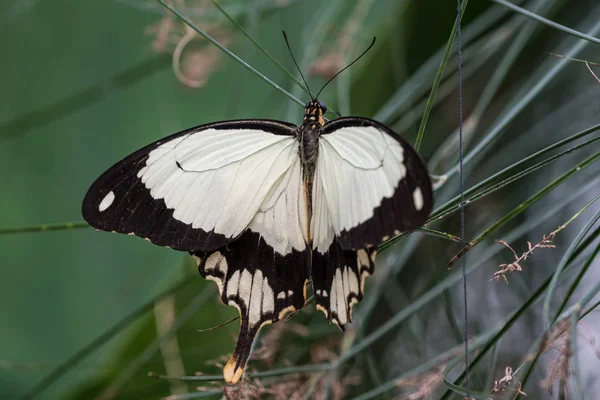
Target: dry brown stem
<point>515,266</point>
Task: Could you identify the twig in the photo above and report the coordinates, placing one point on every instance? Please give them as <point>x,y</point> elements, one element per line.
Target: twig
<point>515,266</point>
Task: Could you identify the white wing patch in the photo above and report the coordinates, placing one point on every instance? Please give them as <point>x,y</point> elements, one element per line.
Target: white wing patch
<point>219,179</point>
<point>253,292</point>
<point>107,201</point>
<point>215,267</point>
<point>357,168</point>
<point>281,219</point>
<point>344,293</point>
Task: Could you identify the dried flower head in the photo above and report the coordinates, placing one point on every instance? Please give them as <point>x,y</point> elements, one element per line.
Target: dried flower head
<point>506,386</point>
<point>515,266</point>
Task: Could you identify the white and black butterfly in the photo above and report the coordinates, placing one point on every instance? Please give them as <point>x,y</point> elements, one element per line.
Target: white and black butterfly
<point>264,206</point>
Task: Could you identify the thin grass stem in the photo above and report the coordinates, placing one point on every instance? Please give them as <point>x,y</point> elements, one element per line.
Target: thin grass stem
<point>438,78</point>
<point>543,20</point>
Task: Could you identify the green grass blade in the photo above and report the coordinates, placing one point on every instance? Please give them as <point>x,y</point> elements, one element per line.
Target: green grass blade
<point>541,289</point>
<point>85,98</point>
<point>527,96</point>
<point>129,370</point>
<point>423,368</point>
<point>261,374</point>
<point>438,78</point>
<point>543,20</point>
<point>580,275</point>
<point>523,206</point>
<point>45,228</point>
<point>196,395</point>
<point>561,265</point>
<point>413,87</point>
<point>512,169</point>
<point>535,296</point>
<point>491,88</point>
<point>439,234</point>
<point>87,350</point>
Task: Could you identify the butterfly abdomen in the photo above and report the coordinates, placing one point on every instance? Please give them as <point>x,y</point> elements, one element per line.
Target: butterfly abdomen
<point>309,146</point>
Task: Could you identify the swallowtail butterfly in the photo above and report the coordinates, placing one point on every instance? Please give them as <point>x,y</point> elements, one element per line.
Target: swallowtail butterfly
<point>264,206</point>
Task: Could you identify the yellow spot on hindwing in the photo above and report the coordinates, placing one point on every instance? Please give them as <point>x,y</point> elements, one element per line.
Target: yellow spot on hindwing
<point>232,374</point>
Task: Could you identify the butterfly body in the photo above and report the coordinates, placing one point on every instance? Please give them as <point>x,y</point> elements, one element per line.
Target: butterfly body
<point>265,206</point>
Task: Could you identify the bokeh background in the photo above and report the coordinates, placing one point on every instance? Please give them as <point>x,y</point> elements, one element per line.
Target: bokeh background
<point>87,315</point>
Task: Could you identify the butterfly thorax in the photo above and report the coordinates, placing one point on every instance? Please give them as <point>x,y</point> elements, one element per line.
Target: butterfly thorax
<point>308,134</point>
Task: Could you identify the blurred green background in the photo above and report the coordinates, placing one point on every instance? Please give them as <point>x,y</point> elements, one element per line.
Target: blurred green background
<point>86,83</point>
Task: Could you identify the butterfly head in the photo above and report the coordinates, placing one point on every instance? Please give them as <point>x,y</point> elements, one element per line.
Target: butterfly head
<point>313,112</point>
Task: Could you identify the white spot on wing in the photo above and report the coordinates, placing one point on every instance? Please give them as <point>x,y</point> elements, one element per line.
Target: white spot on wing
<point>346,283</point>
<point>213,262</point>
<point>353,282</point>
<point>338,281</point>
<point>233,284</point>
<point>281,295</point>
<point>256,298</point>
<point>268,302</point>
<point>107,201</point>
<point>418,199</point>
<point>245,287</point>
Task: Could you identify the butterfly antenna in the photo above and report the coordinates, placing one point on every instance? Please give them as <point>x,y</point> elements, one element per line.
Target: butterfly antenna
<point>297,66</point>
<point>347,66</point>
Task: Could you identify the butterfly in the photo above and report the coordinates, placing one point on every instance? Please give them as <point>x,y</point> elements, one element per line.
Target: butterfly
<point>264,206</point>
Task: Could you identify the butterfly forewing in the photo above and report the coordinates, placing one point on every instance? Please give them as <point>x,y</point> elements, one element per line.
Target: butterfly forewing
<point>195,190</point>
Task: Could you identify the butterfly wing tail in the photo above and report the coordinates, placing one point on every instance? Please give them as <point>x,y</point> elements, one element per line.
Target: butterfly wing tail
<point>262,284</point>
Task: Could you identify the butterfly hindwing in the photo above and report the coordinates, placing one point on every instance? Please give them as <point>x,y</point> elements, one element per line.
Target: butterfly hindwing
<point>197,189</point>
<point>338,278</point>
<point>261,283</point>
<point>263,272</point>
